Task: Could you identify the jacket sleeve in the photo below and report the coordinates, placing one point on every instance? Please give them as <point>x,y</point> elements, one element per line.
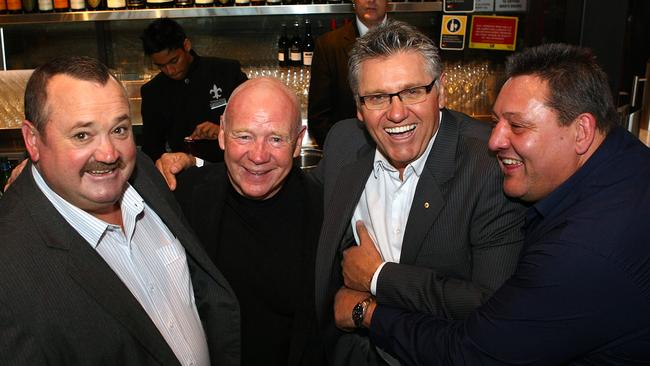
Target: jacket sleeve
<point>17,346</point>
<point>562,303</point>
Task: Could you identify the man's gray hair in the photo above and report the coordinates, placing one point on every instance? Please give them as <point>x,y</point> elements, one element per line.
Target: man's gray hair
<point>388,39</point>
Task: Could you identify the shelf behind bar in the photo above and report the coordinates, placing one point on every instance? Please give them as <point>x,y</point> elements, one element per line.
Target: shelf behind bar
<point>106,15</point>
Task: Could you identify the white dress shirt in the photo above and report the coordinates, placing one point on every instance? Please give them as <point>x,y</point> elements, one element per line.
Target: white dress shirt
<point>385,204</point>
<point>151,262</point>
<point>362,27</point>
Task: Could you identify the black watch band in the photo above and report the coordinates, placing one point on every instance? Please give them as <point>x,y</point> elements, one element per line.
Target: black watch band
<point>359,311</point>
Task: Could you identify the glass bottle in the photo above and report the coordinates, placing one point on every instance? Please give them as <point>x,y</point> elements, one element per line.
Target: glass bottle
<point>29,6</point>
<point>3,6</point>
<point>283,48</point>
<point>61,5</point>
<point>93,5</point>
<point>184,3</point>
<point>45,6</point>
<point>295,50</point>
<point>77,5</point>
<point>14,6</point>
<point>135,4</point>
<point>203,3</point>
<point>307,45</point>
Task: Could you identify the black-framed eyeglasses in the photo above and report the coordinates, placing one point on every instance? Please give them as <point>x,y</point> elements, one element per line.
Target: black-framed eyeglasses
<point>416,94</point>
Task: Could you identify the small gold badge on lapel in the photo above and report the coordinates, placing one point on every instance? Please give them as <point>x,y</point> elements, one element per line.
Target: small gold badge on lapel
<point>426,205</point>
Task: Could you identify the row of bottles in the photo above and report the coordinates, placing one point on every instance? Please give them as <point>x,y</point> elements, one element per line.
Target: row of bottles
<point>296,51</point>
<point>46,6</point>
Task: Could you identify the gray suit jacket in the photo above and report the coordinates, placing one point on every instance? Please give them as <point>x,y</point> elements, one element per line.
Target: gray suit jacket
<point>61,304</point>
<point>462,238</point>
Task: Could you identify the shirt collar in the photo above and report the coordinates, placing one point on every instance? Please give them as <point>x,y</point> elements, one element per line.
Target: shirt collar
<point>362,27</point>
<point>559,198</point>
<point>381,162</point>
<point>88,226</point>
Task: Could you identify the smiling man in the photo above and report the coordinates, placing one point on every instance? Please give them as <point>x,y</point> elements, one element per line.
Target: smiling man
<point>423,181</point>
<point>181,106</point>
<point>97,266</point>
<point>259,217</point>
<point>581,292</point>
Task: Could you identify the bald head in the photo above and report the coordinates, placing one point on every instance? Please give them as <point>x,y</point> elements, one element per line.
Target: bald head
<point>261,133</point>
<point>264,95</point>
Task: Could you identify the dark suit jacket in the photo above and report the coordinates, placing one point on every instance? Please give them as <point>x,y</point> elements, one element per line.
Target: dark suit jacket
<point>171,109</point>
<point>456,250</point>
<point>330,97</point>
<point>202,193</point>
<point>61,304</point>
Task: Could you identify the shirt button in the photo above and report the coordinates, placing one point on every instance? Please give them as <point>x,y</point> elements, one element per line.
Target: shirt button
<point>152,288</point>
<point>397,231</point>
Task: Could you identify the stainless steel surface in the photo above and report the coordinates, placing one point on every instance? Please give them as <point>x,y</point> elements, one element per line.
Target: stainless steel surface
<point>86,16</point>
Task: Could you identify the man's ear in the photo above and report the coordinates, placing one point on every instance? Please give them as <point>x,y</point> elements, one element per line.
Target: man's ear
<point>221,137</point>
<point>585,125</point>
<point>187,45</point>
<point>298,148</point>
<point>31,138</point>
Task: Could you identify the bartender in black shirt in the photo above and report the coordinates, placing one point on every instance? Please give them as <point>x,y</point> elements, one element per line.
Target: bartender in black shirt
<point>181,106</point>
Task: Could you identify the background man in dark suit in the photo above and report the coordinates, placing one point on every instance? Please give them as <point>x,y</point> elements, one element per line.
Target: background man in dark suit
<point>581,291</point>
<point>97,266</point>
<point>186,99</point>
<point>259,217</point>
<point>330,98</point>
<point>422,180</point>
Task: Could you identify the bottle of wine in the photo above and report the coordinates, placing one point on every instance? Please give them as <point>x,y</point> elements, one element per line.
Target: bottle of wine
<point>257,2</point>
<point>29,6</point>
<point>134,4</point>
<point>160,3</point>
<point>203,3</point>
<point>184,3</point>
<point>307,45</point>
<point>273,2</point>
<point>61,5</point>
<point>283,48</point>
<point>14,7</point>
<point>45,6</point>
<point>116,4</point>
<point>94,5</point>
<point>295,50</point>
<point>3,6</point>
<point>77,5</point>
<point>242,2</point>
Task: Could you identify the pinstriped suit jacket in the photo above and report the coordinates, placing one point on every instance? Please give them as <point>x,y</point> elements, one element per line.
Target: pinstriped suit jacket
<point>457,249</point>
<point>61,304</point>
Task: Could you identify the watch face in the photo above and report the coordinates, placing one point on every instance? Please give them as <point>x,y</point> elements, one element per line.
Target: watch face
<point>357,315</point>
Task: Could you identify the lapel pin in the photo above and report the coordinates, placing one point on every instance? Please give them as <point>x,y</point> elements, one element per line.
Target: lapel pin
<point>426,205</point>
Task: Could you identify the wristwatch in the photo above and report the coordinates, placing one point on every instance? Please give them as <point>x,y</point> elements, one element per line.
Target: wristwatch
<point>359,311</point>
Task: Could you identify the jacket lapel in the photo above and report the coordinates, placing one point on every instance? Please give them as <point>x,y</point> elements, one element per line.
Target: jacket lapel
<point>428,200</point>
<point>89,270</point>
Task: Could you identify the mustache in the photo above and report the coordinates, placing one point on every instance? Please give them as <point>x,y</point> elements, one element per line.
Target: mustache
<point>98,165</point>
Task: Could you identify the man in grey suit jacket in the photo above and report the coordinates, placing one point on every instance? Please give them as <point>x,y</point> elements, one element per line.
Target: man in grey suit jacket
<point>97,265</point>
<point>423,182</point>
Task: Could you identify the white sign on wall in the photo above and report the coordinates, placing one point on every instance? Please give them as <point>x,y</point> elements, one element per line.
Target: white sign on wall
<point>484,5</point>
<point>510,5</point>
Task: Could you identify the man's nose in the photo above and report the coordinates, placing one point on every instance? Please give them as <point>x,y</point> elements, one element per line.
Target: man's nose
<point>106,152</point>
<point>259,154</point>
<point>499,138</point>
<point>396,110</point>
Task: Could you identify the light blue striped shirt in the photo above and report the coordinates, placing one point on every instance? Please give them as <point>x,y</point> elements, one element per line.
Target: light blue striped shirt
<point>151,262</point>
